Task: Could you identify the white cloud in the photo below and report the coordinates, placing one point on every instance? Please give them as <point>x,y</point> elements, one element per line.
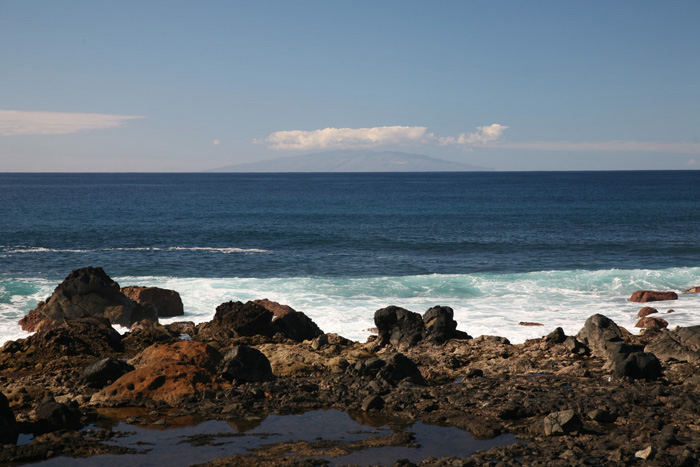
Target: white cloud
<point>605,146</point>
<point>343,138</point>
<point>483,135</point>
<point>22,122</point>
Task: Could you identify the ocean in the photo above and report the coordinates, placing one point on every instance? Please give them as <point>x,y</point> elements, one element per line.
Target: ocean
<point>499,248</point>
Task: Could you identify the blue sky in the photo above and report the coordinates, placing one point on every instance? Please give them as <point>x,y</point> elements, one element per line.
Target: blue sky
<point>188,86</point>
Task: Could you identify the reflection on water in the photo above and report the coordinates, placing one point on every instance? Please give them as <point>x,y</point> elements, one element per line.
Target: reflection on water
<point>188,440</point>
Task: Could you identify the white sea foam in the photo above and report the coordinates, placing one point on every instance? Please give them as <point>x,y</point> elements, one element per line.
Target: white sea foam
<point>492,304</point>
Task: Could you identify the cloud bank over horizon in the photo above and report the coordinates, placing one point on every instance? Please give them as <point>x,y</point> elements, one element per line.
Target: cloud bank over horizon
<point>30,122</point>
<point>346,138</point>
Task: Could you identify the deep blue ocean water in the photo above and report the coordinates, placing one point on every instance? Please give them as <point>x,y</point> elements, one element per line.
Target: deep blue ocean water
<point>498,247</point>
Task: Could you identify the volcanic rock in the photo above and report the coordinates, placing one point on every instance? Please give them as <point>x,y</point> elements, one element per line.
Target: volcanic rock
<point>104,371</point>
<point>440,325</point>
<point>168,373</point>
<point>562,423</point>
<point>166,303</point>
<point>650,322</point>
<point>246,364</point>
<point>278,310</point>
<point>601,335</point>
<point>643,296</point>
<point>681,344</point>
<point>399,368</point>
<point>398,326</point>
<point>8,425</point>
<point>296,326</point>
<point>243,319</point>
<point>647,310</point>
<point>74,341</point>
<point>86,292</point>
<point>636,365</point>
<point>52,416</point>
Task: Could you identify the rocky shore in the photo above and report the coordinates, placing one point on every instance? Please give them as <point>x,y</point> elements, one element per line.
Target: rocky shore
<point>601,397</point>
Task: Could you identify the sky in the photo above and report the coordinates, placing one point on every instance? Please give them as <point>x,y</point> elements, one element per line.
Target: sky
<point>170,86</point>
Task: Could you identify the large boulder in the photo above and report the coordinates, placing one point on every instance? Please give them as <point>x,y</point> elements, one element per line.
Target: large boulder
<point>167,303</point>
<point>289,322</point>
<point>636,365</point>
<point>601,335</point>
<point>643,296</point>
<point>244,319</point>
<point>8,425</point>
<point>168,373</point>
<point>692,290</point>
<point>398,326</point>
<point>86,292</point>
<point>246,364</point>
<point>681,344</point>
<point>440,325</point>
<point>52,416</point>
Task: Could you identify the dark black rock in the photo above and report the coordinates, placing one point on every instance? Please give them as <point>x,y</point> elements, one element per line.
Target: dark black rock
<point>52,416</point>
<point>245,319</point>
<point>8,425</point>
<point>296,326</point>
<point>636,365</point>
<point>475,373</point>
<point>398,326</point>
<point>104,371</point>
<point>575,346</point>
<point>400,368</point>
<point>440,325</point>
<point>246,364</point>
<point>681,344</point>
<point>555,337</point>
<point>601,335</point>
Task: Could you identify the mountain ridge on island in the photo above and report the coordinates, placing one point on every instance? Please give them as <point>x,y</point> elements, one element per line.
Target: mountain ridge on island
<point>353,161</point>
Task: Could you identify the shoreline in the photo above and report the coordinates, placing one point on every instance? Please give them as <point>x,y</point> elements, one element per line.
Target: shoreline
<point>603,396</point>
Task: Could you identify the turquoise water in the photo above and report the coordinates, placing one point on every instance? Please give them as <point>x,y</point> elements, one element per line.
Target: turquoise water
<point>499,248</point>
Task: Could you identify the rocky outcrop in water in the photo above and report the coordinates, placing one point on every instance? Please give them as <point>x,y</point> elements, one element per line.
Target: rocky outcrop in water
<point>166,303</point>
<point>87,292</point>
<point>643,296</point>
<point>402,328</point>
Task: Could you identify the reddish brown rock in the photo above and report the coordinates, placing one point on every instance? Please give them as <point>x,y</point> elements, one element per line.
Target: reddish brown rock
<point>692,290</point>
<point>647,310</point>
<point>643,296</point>
<point>528,323</point>
<point>166,303</point>
<point>168,373</point>
<point>671,311</point>
<point>649,322</point>
<point>278,310</point>
<point>86,292</point>
<point>289,322</point>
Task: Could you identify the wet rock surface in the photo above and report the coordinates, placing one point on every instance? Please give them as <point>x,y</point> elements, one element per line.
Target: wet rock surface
<point>602,397</point>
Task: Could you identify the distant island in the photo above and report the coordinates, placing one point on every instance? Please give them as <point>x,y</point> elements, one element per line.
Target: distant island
<point>353,161</point>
